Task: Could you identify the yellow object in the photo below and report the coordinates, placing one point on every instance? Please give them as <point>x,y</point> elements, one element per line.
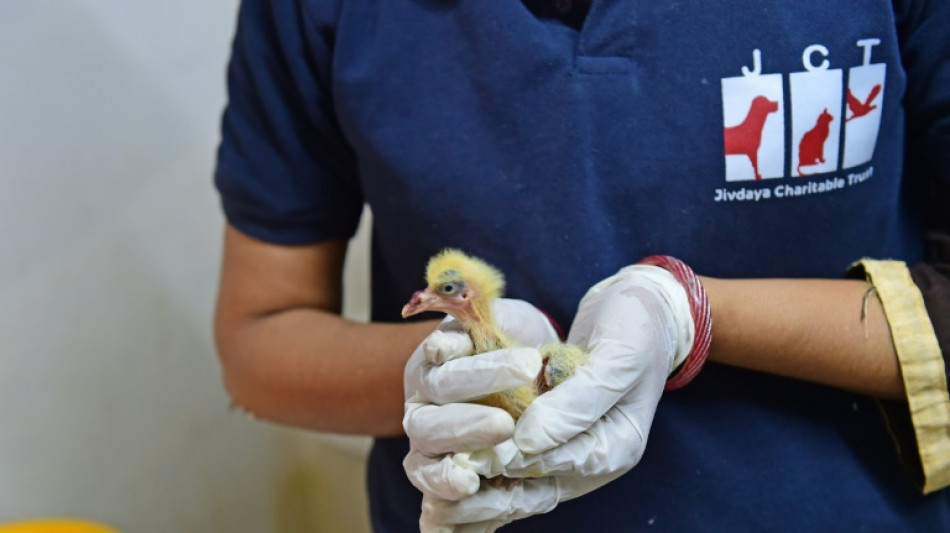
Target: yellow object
<point>55,526</point>
<point>561,360</point>
<point>922,369</point>
<point>464,287</point>
<point>443,265</point>
<point>480,284</point>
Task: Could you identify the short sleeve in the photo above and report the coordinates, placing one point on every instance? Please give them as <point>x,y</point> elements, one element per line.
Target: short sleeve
<point>284,172</point>
<point>920,426</point>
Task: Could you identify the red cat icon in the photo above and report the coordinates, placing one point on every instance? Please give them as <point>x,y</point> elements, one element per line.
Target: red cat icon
<point>746,137</point>
<point>811,149</point>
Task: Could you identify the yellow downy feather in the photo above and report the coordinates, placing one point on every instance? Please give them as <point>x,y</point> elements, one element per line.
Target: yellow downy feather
<point>450,264</point>
<point>454,265</point>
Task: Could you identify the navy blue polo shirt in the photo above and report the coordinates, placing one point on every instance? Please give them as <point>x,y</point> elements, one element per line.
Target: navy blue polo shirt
<point>761,139</point>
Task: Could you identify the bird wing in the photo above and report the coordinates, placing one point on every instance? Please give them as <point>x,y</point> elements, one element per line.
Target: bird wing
<point>876,90</point>
<point>854,104</point>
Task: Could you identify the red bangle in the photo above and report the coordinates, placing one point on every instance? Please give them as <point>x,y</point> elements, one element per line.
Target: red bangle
<point>702,318</point>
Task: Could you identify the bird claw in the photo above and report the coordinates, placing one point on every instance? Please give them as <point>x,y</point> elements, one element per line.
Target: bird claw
<point>548,378</point>
<point>502,482</point>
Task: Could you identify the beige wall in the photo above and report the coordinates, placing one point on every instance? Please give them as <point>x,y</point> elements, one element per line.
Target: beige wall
<point>111,406</point>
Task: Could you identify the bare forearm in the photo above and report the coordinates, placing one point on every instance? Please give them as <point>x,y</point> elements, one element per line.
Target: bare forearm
<point>831,332</point>
<point>287,355</point>
<point>313,369</point>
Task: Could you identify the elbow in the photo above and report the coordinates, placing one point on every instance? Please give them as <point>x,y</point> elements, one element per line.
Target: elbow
<point>233,382</point>
<point>231,358</point>
<point>241,383</point>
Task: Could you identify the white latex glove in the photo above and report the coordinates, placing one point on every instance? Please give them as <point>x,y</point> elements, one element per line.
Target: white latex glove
<point>593,427</point>
<point>439,378</point>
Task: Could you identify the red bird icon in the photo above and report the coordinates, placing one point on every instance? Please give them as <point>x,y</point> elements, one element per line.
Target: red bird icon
<point>859,108</point>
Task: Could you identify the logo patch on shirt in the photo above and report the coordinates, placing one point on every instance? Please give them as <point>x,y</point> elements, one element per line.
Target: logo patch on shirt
<point>825,126</point>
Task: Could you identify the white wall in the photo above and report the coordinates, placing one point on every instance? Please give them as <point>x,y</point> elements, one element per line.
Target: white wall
<point>111,406</point>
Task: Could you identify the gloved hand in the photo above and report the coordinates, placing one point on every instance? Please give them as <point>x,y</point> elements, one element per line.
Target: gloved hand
<point>592,428</point>
<point>438,377</point>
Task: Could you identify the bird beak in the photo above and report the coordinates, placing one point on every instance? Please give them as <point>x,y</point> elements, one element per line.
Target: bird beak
<point>421,301</point>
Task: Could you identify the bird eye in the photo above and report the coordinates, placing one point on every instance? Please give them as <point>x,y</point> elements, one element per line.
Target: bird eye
<point>449,288</point>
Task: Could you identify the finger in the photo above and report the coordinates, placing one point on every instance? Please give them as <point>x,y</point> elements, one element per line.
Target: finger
<point>488,462</point>
<point>442,349</point>
<point>440,476</point>
<point>426,525</point>
<point>611,446</point>
<point>558,415</point>
<point>479,527</point>
<point>438,429</point>
<point>495,504</point>
<point>441,346</point>
<point>477,376</point>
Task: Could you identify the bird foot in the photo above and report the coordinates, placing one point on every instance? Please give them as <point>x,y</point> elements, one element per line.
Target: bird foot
<point>503,482</point>
<point>561,361</point>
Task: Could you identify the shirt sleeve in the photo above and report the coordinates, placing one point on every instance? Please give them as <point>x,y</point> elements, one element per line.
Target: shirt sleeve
<point>920,426</point>
<point>284,172</point>
<point>917,299</point>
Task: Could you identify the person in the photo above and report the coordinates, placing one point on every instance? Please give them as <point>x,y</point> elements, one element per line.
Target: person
<point>771,147</point>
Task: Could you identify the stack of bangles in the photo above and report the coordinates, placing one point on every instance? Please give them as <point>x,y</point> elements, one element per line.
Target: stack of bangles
<point>702,318</point>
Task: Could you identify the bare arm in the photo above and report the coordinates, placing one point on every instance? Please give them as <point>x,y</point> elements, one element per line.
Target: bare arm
<point>288,356</point>
<point>812,330</point>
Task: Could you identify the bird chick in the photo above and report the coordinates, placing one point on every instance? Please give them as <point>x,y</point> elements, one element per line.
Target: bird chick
<point>465,287</point>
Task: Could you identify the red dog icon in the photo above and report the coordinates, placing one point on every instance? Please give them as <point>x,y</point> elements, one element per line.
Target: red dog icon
<point>746,137</point>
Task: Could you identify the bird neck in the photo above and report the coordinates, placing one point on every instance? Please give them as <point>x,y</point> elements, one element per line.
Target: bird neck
<point>482,329</point>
